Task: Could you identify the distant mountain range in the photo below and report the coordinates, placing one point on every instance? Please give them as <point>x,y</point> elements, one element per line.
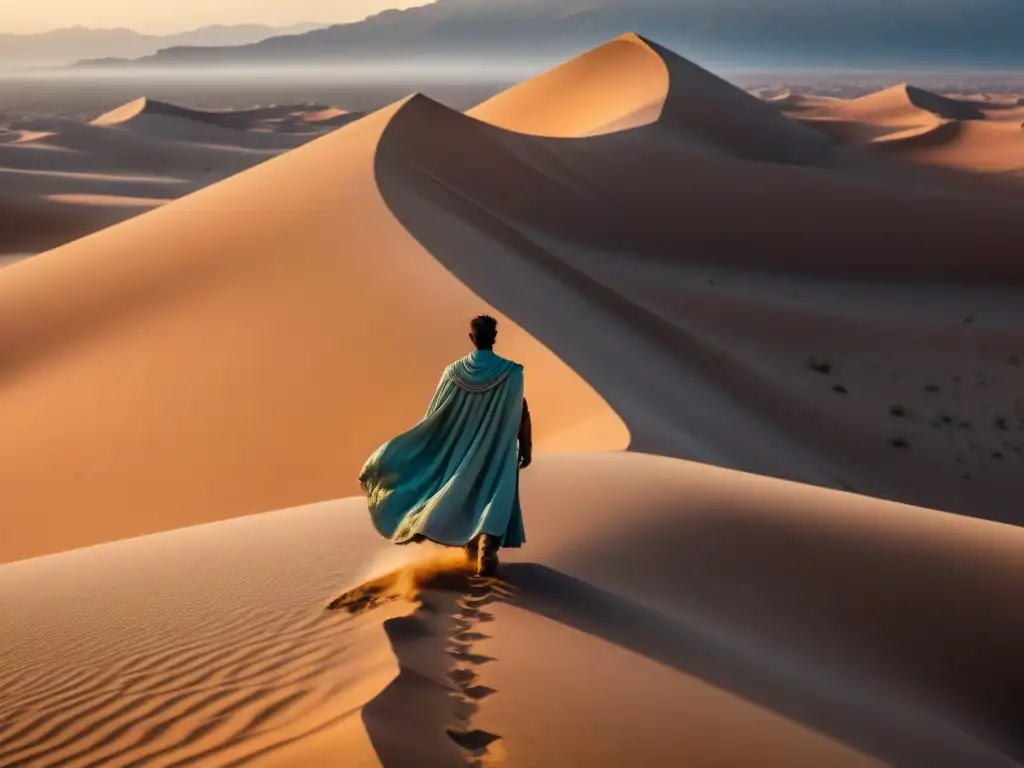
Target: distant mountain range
<point>66,46</point>
<point>847,32</point>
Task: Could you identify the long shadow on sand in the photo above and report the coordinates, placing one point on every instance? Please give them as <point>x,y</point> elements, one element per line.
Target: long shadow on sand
<point>874,722</point>
<point>424,718</point>
<point>435,669</point>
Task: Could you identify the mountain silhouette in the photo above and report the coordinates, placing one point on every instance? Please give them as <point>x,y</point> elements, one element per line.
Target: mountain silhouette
<point>68,45</point>
<point>881,32</point>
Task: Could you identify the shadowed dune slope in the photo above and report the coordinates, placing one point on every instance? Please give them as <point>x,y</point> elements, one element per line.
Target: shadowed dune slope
<point>640,192</point>
<point>240,119</point>
<point>901,100</point>
<point>896,619</point>
<point>671,253</point>
<point>168,121</point>
<point>172,146</point>
<point>902,105</point>
<point>826,628</point>
<point>174,149</point>
<point>266,126</point>
<point>257,320</point>
<point>950,109</point>
<point>30,225</point>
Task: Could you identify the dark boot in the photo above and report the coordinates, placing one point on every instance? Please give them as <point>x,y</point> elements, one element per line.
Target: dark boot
<point>488,561</point>
<point>472,550</point>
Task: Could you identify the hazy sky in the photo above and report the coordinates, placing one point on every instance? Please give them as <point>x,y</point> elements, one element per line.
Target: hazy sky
<point>178,15</point>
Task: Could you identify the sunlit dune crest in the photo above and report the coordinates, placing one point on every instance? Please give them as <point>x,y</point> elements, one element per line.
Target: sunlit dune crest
<point>632,82</point>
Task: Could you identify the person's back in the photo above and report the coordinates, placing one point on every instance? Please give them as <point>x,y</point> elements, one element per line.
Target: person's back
<point>453,478</point>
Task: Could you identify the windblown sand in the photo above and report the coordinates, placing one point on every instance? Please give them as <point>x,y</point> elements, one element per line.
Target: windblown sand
<point>819,296</point>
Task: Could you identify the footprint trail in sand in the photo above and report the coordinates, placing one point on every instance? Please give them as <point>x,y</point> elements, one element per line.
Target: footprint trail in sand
<point>439,640</point>
<point>476,742</point>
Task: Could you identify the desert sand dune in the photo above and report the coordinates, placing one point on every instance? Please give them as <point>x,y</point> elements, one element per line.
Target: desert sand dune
<point>632,82</point>
<point>85,179</point>
<point>950,109</point>
<point>990,147</point>
<point>972,134</point>
<point>135,157</point>
<point>902,105</point>
<point>230,128</point>
<point>245,292</point>
<point>738,621</point>
<point>923,135</point>
<point>554,223</point>
<point>272,126</point>
<point>619,85</point>
<point>791,100</point>
<point>238,119</point>
<point>899,110</point>
<point>684,271</point>
<point>938,134</point>
<point>79,147</point>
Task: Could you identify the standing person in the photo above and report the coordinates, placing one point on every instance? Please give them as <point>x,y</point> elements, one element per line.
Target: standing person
<point>454,477</point>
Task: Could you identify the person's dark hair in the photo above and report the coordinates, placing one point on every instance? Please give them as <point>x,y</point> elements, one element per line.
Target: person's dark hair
<point>483,331</point>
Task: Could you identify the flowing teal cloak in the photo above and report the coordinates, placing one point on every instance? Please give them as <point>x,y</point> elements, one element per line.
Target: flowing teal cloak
<point>455,474</point>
